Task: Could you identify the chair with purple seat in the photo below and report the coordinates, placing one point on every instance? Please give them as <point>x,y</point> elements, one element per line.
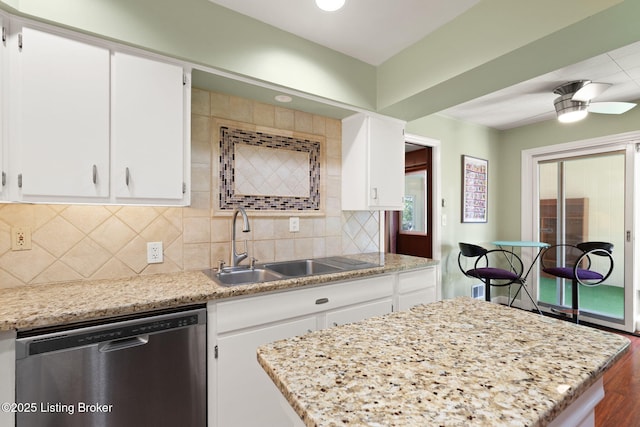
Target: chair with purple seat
<point>489,267</point>
<point>586,263</point>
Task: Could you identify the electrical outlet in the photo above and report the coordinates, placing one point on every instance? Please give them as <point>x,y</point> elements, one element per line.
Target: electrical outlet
<point>294,224</point>
<point>154,252</point>
<point>20,238</point>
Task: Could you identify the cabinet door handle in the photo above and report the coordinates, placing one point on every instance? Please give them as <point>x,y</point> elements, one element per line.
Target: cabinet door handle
<point>94,174</point>
<point>4,179</point>
<point>19,180</point>
<point>374,193</point>
<point>127,176</point>
<point>322,301</point>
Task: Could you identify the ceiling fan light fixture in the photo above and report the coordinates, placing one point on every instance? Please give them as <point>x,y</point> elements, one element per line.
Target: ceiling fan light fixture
<point>330,5</point>
<point>570,111</point>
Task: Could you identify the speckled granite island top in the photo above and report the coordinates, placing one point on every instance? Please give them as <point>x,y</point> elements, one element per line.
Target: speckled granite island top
<point>62,303</point>
<point>455,362</point>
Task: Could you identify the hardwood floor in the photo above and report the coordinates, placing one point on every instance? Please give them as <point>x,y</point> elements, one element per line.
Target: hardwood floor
<point>621,404</point>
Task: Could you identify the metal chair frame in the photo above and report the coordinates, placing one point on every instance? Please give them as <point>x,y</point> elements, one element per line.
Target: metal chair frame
<point>580,271</point>
<point>484,272</point>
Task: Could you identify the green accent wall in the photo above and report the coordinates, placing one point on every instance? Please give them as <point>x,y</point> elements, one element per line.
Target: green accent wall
<point>203,33</point>
<point>493,45</point>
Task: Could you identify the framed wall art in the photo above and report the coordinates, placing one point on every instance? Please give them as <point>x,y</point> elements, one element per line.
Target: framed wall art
<point>475,184</point>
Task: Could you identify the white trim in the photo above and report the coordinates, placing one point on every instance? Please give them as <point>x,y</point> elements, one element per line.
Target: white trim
<point>528,194</point>
<point>436,197</point>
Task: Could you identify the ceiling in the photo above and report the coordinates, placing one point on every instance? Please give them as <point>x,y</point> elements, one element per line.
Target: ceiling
<point>369,30</point>
<point>532,101</point>
<point>374,31</point>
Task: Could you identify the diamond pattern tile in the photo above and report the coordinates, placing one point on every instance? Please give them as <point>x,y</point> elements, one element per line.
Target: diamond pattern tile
<point>57,236</point>
<point>79,242</point>
<point>262,171</point>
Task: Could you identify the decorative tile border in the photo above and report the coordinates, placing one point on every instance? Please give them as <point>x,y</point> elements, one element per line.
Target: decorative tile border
<point>229,199</point>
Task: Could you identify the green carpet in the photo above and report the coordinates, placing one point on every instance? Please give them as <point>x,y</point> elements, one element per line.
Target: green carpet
<point>603,299</point>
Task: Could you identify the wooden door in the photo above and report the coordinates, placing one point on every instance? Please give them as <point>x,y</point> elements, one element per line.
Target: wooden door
<point>404,237</point>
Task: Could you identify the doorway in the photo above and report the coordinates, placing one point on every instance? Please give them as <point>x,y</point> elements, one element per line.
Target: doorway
<point>410,231</point>
<point>582,199</point>
<point>586,191</point>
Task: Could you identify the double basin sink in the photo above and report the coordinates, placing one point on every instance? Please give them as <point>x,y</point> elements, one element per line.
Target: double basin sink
<point>286,270</point>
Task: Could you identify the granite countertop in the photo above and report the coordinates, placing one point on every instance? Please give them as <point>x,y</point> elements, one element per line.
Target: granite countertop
<point>28,307</point>
<point>454,362</point>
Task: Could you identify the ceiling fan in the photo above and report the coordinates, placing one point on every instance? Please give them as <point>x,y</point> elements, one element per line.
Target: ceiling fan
<point>574,101</point>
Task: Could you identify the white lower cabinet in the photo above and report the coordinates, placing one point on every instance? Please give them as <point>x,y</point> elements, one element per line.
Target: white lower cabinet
<point>358,312</point>
<point>241,394</point>
<point>416,287</point>
<point>246,395</point>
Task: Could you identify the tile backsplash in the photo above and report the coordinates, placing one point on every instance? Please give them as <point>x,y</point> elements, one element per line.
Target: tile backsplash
<point>80,242</point>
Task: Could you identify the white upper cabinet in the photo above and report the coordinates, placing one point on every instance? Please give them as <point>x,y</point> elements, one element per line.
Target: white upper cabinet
<point>90,122</point>
<point>59,117</point>
<point>148,135</point>
<point>4,99</point>
<point>372,163</point>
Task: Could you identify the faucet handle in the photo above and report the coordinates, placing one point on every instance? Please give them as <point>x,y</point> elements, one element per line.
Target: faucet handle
<point>220,265</point>
<point>253,262</point>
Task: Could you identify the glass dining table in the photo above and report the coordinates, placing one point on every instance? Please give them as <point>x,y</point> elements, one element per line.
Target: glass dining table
<point>512,245</point>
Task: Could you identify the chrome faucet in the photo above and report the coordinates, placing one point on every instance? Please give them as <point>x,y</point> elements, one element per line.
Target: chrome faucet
<point>236,258</point>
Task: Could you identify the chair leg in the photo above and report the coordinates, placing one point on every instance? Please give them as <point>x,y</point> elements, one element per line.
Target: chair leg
<point>522,285</point>
<point>531,298</point>
<point>487,290</point>
<point>574,300</point>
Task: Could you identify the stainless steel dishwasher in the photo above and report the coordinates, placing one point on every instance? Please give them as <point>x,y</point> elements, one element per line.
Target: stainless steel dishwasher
<point>137,371</point>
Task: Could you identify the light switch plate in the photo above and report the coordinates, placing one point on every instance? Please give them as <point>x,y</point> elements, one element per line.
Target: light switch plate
<point>294,224</point>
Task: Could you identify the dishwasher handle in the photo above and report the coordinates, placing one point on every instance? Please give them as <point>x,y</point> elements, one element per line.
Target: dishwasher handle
<point>123,344</point>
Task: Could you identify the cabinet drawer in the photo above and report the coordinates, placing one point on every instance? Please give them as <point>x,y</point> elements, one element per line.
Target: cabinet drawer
<point>417,280</point>
<point>358,312</point>
<point>408,300</point>
<point>258,310</point>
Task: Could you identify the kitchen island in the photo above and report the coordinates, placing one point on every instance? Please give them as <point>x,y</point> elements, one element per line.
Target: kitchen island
<point>454,362</point>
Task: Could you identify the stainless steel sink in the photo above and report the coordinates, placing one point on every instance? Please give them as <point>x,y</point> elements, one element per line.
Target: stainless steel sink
<point>303,267</point>
<point>240,275</point>
<point>243,276</point>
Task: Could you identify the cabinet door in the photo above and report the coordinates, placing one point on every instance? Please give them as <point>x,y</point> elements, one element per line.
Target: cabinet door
<point>372,163</point>
<point>62,123</point>
<point>4,86</point>
<point>386,164</point>
<point>147,128</point>
<point>246,396</point>
<point>358,312</point>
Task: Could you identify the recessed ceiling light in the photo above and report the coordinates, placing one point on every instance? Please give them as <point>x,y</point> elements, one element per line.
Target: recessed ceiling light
<point>330,5</point>
<point>283,98</point>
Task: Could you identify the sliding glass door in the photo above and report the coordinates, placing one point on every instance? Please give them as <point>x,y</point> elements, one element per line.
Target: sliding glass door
<point>585,197</point>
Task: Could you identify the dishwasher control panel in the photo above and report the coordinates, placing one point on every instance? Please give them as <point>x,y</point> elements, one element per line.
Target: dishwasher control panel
<point>92,335</point>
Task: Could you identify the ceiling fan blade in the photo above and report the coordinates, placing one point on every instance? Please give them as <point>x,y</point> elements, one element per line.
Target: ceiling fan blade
<point>589,91</point>
<point>610,107</point>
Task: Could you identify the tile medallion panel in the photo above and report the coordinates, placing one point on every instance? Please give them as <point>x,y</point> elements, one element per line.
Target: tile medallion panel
<point>261,169</point>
